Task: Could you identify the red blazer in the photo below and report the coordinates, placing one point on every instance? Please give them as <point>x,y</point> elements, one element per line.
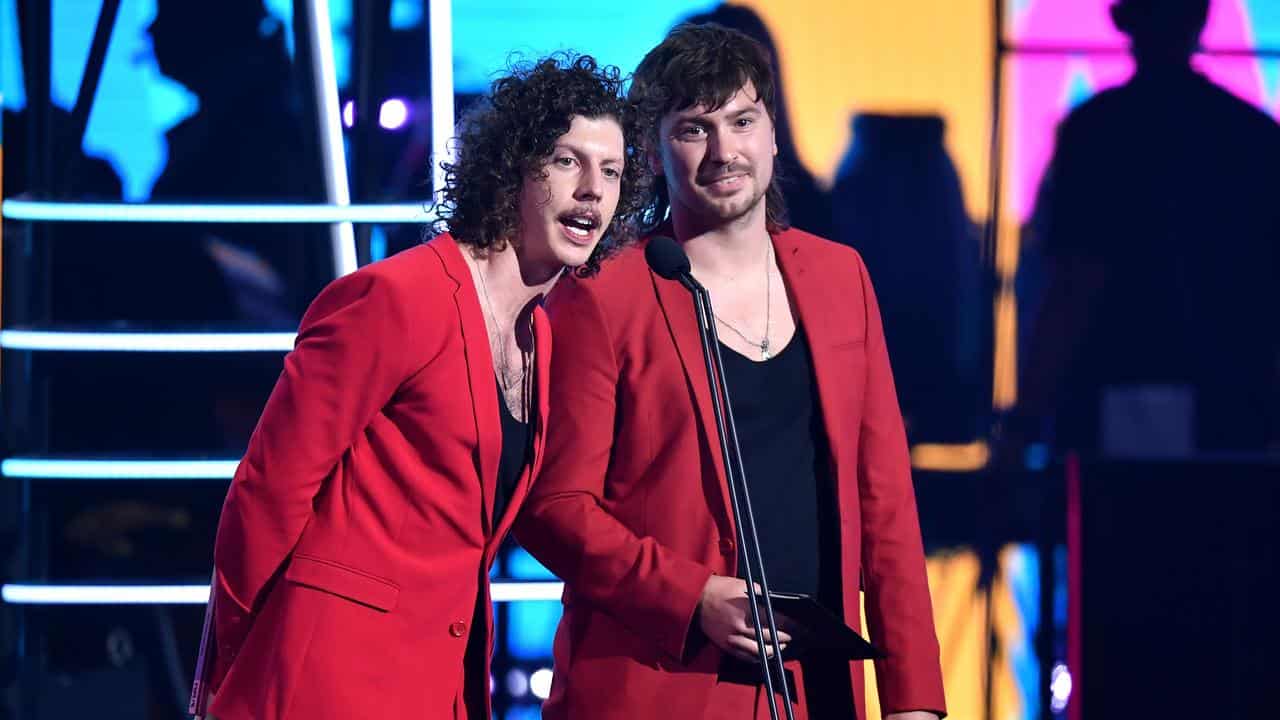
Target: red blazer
<point>632,509</point>
<point>354,546</point>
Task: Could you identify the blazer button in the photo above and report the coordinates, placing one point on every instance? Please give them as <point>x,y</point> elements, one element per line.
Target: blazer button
<point>727,546</point>
<point>458,629</point>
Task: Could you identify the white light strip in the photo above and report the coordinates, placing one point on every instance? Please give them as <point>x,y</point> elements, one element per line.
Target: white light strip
<point>21,594</point>
<point>40,210</point>
<point>332,149</point>
<point>105,594</point>
<point>440,23</point>
<point>525,591</point>
<point>54,469</point>
<point>145,342</point>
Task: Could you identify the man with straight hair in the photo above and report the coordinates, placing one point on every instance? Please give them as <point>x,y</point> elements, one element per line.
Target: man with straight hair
<point>632,509</point>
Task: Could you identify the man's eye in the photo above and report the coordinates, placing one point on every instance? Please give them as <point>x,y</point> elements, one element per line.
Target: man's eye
<point>690,131</point>
<point>612,173</point>
<point>564,161</point>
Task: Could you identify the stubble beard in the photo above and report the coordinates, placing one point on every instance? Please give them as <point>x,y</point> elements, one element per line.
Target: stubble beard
<point>713,213</point>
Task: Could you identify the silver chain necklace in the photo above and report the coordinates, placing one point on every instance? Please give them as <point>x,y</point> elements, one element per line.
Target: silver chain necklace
<point>763,345</point>
<point>503,368</point>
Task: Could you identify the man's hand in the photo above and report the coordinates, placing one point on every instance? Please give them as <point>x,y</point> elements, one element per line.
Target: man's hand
<point>726,619</point>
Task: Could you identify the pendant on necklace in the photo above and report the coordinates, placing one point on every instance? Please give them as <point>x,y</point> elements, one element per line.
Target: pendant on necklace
<point>764,349</point>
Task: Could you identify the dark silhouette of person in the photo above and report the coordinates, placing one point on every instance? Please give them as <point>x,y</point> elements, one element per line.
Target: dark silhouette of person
<point>1159,226</point>
<point>248,142</point>
<point>251,141</point>
<point>898,201</point>
<point>808,205</point>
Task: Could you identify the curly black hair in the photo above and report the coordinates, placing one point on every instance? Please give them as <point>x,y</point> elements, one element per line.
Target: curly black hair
<point>508,138</point>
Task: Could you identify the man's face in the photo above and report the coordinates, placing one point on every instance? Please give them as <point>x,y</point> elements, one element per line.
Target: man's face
<point>718,163</point>
<point>564,215</point>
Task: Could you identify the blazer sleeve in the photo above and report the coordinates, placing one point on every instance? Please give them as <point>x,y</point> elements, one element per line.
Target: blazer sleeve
<point>899,613</point>
<point>352,352</point>
<point>645,586</point>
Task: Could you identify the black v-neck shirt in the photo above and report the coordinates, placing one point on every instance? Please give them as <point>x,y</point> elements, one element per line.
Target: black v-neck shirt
<point>786,458</point>
<point>515,455</point>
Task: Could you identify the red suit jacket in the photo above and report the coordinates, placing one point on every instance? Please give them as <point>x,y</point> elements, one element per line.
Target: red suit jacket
<point>354,546</point>
<point>631,507</point>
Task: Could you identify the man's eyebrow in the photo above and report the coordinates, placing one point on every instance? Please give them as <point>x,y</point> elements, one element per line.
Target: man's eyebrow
<point>579,151</point>
<point>690,116</point>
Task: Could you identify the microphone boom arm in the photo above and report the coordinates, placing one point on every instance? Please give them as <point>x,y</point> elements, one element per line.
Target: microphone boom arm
<point>740,499</point>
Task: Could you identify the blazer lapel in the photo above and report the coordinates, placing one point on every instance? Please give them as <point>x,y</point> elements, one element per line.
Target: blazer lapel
<point>542,406</point>
<point>816,311</point>
<point>677,307</point>
<point>483,386</point>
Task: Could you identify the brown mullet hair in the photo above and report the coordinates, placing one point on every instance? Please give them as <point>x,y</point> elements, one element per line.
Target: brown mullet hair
<point>705,64</point>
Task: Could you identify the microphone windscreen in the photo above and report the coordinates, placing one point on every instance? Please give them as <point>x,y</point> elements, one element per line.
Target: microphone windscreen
<point>667,258</point>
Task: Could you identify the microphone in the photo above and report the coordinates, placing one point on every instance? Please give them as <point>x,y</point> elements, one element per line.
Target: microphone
<point>668,260</point>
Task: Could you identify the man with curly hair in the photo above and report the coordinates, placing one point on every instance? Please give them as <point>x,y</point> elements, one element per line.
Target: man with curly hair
<point>354,547</point>
<point>633,509</point>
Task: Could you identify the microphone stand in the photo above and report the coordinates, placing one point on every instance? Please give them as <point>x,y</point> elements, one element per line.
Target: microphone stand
<point>736,475</point>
